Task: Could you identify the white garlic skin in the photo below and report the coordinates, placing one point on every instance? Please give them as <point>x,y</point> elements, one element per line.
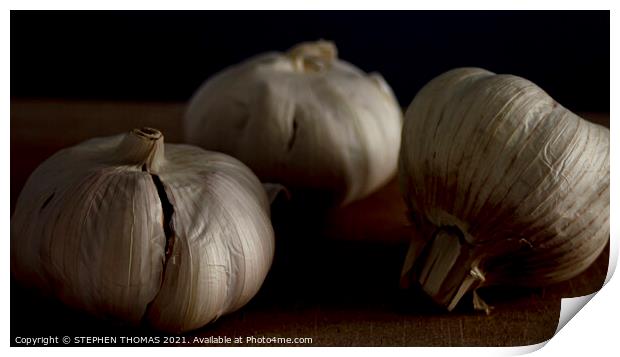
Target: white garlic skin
<point>304,119</point>
<point>525,180</point>
<point>88,228</point>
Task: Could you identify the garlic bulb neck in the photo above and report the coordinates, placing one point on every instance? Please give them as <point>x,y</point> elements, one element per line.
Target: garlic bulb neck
<point>144,148</point>
<point>313,56</point>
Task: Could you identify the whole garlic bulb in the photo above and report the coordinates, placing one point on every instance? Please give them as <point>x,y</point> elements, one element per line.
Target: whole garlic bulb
<point>116,227</point>
<point>304,119</point>
<point>505,185</point>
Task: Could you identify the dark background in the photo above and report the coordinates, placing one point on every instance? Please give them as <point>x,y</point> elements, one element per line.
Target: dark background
<point>336,281</point>
<point>164,56</point>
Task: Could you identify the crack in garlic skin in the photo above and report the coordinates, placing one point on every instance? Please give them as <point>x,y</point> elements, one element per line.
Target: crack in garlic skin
<point>88,228</point>
<point>497,157</point>
<point>304,119</point>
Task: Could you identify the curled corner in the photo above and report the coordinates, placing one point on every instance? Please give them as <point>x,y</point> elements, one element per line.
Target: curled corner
<point>613,259</point>
<point>570,307</point>
<point>523,350</point>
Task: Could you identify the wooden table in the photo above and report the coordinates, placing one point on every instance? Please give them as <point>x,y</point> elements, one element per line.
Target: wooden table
<point>336,282</point>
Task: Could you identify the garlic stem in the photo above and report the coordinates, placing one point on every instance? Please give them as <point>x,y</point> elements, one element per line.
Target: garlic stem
<point>446,267</point>
<point>144,148</point>
<point>313,56</point>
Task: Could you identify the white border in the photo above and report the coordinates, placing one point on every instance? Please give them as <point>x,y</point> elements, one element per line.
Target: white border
<point>314,5</point>
<point>589,332</point>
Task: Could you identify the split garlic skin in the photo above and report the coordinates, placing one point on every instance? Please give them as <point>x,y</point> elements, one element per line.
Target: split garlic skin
<point>504,185</point>
<point>304,119</point>
<point>116,227</point>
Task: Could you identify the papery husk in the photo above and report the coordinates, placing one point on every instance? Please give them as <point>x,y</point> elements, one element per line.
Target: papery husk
<point>503,184</point>
<point>116,227</point>
<point>304,119</point>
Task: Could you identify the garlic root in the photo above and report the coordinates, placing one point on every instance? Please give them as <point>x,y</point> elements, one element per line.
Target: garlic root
<point>446,268</point>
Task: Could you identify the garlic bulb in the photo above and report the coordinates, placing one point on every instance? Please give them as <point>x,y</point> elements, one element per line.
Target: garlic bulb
<point>505,186</point>
<point>304,119</point>
<point>116,227</point>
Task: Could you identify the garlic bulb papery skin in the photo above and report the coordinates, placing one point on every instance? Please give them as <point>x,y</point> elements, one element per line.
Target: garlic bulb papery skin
<point>304,119</point>
<point>118,228</point>
<point>504,185</point>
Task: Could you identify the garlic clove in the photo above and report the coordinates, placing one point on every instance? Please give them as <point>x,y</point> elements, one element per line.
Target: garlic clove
<point>211,242</point>
<point>59,242</point>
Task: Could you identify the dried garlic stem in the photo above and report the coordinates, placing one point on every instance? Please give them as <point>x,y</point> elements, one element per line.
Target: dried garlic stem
<point>144,148</point>
<point>313,56</point>
<point>446,267</point>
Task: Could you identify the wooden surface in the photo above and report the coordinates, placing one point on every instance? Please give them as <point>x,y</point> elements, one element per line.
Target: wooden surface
<point>334,280</point>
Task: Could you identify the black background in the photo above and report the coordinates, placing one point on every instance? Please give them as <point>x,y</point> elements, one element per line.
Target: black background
<point>164,56</point>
